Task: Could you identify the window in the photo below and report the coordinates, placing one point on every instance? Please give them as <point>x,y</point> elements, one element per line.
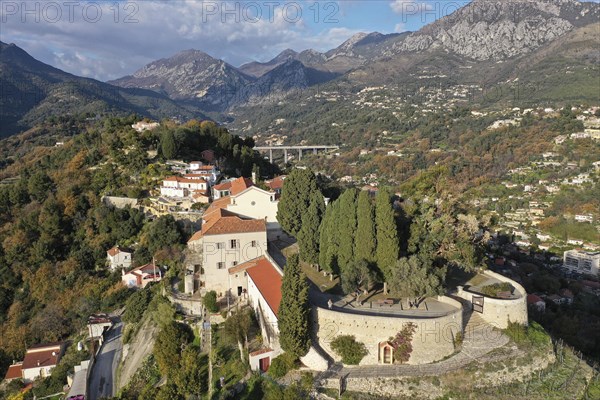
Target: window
<point>234,263</point>
<point>233,244</point>
<point>220,265</point>
<point>220,246</point>
<point>253,243</point>
<point>587,265</point>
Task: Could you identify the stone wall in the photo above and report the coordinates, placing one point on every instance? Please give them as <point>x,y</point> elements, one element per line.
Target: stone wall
<point>498,312</point>
<point>433,339</point>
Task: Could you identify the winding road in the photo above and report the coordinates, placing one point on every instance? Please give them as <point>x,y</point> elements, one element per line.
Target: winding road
<point>103,377</point>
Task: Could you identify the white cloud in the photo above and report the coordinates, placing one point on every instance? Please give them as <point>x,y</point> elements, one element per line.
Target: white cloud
<point>115,42</point>
<point>400,27</point>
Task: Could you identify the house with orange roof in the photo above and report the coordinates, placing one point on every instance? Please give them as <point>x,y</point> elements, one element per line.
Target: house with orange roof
<point>118,258</point>
<point>225,241</point>
<point>264,278</point>
<point>39,362</point>
<point>140,277</point>
<point>183,186</point>
<point>210,172</point>
<point>221,190</point>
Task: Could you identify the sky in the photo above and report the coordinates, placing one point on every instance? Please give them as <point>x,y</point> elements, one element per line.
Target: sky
<point>109,39</point>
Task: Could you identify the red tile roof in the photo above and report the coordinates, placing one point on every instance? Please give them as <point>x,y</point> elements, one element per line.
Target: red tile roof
<point>233,224</point>
<point>276,183</point>
<point>114,251</point>
<point>218,204</point>
<point>221,222</point>
<point>533,298</point>
<point>267,279</point>
<point>42,356</point>
<point>14,372</point>
<point>240,184</point>
<point>223,186</point>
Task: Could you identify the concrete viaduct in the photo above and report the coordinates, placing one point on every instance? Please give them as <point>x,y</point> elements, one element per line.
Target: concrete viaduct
<point>300,149</point>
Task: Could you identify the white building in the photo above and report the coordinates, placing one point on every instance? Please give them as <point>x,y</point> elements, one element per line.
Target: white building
<point>584,218</point>
<point>264,292</point>
<point>582,261</point>
<point>209,172</point>
<point>141,276</point>
<point>185,186</point>
<point>257,203</point>
<point>118,258</point>
<point>40,360</point>
<point>145,126</point>
<point>225,241</point>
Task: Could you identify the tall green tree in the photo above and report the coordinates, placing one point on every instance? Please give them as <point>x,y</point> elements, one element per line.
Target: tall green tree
<point>294,333</point>
<point>39,186</point>
<point>298,190</point>
<point>168,145</point>
<point>346,228</point>
<point>415,279</point>
<point>387,235</point>
<point>328,240</point>
<point>168,346</point>
<point>237,326</point>
<point>308,237</point>
<point>365,241</point>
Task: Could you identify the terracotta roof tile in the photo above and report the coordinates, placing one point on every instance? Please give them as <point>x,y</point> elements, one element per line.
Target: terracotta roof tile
<point>231,224</point>
<point>14,372</point>
<point>114,251</point>
<point>276,183</point>
<point>218,204</point>
<point>268,282</point>
<point>240,184</point>
<point>223,186</point>
<point>42,356</point>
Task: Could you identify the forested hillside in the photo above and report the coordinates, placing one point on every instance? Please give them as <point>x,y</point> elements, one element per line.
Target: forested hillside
<point>54,229</point>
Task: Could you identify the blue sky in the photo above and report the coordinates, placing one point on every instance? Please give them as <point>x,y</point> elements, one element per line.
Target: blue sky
<point>106,40</point>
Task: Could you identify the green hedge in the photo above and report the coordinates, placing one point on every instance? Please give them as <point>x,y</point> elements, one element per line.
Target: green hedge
<point>351,351</point>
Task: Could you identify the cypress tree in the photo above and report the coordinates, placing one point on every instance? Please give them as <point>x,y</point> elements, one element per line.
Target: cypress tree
<point>297,192</point>
<point>387,235</point>
<point>326,260</point>
<point>346,228</point>
<point>365,244</point>
<point>308,237</point>
<point>168,145</point>
<point>294,334</point>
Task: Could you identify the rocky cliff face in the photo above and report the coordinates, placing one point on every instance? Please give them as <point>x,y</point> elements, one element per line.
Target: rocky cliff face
<point>485,30</point>
<point>190,75</point>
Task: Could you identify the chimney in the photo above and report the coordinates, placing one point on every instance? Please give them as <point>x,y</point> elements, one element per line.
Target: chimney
<point>254,177</point>
<point>53,354</point>
<point>38,363</point>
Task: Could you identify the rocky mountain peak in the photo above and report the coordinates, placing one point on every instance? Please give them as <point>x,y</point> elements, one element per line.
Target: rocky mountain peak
<point>497,30</point>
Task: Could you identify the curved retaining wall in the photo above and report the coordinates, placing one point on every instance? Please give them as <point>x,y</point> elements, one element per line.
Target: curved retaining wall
<point>433,339</point>
<point>498,312</point>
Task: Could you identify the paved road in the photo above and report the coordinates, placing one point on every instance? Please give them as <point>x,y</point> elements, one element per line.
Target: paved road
<point>103,378</point>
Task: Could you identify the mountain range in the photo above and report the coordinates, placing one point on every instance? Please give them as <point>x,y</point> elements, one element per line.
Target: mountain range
<point>483,43</point>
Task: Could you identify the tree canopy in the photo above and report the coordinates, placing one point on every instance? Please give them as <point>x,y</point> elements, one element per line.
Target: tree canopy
<point>293,317</point>
<point>299,188</point>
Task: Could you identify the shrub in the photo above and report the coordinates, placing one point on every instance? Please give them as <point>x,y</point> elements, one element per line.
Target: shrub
<point>281,365</point>
<point>532,335</point>
<point>210,301</point>
<point>349,349</point>
<point>136,305</point>
<point>403,342</point>
<point>494,289</point>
